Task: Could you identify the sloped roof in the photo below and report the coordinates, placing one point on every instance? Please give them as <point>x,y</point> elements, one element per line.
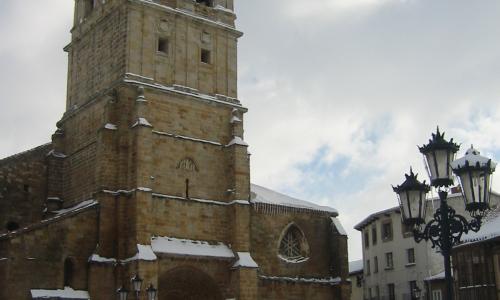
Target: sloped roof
<point>264,195</point>
<point>355,266</point>
<point>374,217</point>
<point>490,229</point>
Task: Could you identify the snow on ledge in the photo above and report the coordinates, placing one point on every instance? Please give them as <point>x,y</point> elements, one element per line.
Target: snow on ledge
<point>245,260</point>
<point>237,141</point>
<point>297,260</point>
<point>110,126</point>
<point>56,154</point>
<point>184,247</point>
<point>327,281</point>
<point>142,122</point>
<point>144,253</point>
<point>235,119</point>
<point>66,293</point>
<point>103,260</point>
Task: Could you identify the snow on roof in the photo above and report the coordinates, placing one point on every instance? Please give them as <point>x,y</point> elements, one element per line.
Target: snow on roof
<point>438,276</point>
<point>328,281</point>
<point>245,260</point>
<point>66,293</point>
<point>339,226</point>
<point>263,195</point>
<point>77,207</point>
<point>490,229</point>
<point>184,247</point>
<point>355,266</point>
<point>374,217</point>
<point>472,158</point>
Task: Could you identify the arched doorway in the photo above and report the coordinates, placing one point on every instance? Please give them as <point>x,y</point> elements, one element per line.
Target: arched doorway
<point>187,283</point>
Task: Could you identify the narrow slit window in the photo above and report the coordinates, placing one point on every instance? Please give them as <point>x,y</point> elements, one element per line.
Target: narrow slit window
<point>163,45</point>
<point>205,2</point>
<point>205,56</point>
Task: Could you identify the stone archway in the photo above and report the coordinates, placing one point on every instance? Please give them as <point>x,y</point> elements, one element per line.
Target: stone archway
<point>187,283</point>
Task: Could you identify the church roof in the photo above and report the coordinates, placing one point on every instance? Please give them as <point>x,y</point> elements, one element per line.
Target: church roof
<point>264,195</point>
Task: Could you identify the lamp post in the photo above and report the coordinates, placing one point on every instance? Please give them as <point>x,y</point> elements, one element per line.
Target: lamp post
<point>446,228</point>
<point>151,292</point>
<point>137,284</point>
<point>122,293</point>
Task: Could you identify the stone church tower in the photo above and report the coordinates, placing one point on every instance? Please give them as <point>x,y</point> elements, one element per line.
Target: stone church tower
<point>148,174</point>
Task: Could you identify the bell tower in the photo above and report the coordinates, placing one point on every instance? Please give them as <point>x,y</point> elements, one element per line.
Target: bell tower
<point>153,130</point>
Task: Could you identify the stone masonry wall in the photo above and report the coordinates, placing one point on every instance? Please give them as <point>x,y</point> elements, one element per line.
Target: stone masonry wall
<point>180,63</point>
<point>266,230</point>
<point>97,52</point>
<point>23,187</point>
<point>35,257</point>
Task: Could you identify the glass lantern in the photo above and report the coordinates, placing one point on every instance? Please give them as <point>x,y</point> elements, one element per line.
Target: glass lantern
<point>122,293</point>
<point>474,172</point>
<point>411,196</point>
<point>438,154</point>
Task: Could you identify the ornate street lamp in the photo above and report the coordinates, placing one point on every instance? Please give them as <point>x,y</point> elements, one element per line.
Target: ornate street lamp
<point>474,172</point>
<point>151,292</point>
<point>438,154</point>
<point>122,293</point>
<point>446,228</point>
<point>411,196</point>
<point>137,284</point>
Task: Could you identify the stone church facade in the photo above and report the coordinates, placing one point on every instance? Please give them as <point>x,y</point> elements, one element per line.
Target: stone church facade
<point>148,174</point>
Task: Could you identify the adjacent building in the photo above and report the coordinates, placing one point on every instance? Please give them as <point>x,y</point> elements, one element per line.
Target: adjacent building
<point>356,277</point>
<point>476,262</point>
<point>395,266</point>
<point>148,176</point>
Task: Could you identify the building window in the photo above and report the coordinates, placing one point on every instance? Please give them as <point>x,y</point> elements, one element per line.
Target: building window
<point>293,245</point>
<point>68,272</point>
<point>437,295</point>
<point>387,231</point>
<point>413,288</point>
<point>410,253</point>
<point>374,235</point>
<point>367,240</point>
<point>206,2</point>
<point>375,264</point>
<point>368,271</point>
<point>377,292</point>
<point>12,226</point>
<point>89,7</point>
<point>359,280</point>
<point>205,56</point>
<point>389,263</point>
<point>163,45</point>
<point>407,230</point>
<point>391,291</point>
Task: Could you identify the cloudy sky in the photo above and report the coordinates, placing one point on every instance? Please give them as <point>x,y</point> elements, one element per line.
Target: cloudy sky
<point>339,92</point>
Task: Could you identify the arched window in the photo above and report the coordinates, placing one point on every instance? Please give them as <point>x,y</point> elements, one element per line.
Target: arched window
<point>293,245</point>
<point>12,226</point>
<point>68,272</point>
